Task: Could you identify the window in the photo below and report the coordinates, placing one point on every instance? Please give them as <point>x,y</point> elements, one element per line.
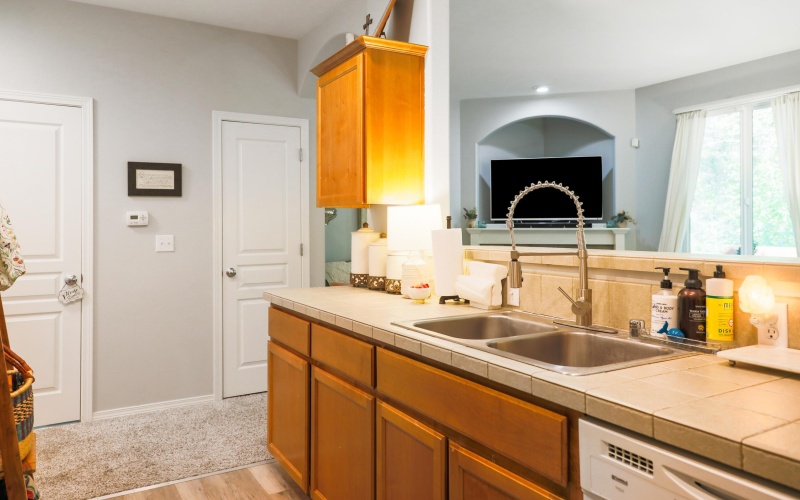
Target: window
<point>739,204</point>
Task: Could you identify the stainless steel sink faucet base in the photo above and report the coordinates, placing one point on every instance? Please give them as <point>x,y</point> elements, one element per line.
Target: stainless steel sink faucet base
<point>582,307</point>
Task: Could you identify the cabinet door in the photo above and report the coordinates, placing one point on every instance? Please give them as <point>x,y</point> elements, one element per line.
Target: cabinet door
<point>340,127</point>
<point>342,439</point>
<point>411,457</point>
<point>288,412</point>
<point>474,477</point>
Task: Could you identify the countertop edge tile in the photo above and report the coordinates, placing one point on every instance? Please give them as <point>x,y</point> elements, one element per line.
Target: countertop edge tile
<point>770,466</point>
<point>628,418</point>
<point>704,444</point>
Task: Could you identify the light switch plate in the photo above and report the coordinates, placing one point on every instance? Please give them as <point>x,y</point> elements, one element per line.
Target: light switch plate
<point>165,243</point>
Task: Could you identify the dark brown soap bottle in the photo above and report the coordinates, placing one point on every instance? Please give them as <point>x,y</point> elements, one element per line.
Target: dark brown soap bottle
<point>692,307</point>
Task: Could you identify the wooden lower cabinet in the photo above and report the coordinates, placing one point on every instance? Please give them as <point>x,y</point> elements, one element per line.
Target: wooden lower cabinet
<point>342,439</point>
<point>411,457</point>
<point>288,412</point>
<point>474,477</point>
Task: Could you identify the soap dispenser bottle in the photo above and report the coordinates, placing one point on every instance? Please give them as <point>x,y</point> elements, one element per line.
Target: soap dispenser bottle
<point>664,310</point>
<point>692,307</point>
<point>719,306</point>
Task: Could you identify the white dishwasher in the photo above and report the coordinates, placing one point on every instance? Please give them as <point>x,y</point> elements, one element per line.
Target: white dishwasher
<point>616,464</point>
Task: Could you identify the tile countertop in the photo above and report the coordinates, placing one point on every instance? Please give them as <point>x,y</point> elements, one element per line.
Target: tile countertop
<point>744,416</point>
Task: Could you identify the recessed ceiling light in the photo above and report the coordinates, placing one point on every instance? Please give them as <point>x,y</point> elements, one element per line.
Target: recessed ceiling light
<point>541,89</point>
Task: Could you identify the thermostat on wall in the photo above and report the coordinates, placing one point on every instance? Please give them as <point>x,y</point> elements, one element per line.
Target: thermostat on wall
<point>136,218</point>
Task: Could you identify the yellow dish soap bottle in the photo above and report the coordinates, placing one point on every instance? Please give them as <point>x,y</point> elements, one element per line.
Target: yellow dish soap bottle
<point>719,307</point>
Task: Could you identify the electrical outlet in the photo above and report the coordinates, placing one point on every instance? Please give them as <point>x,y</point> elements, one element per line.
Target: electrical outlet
<point>512,297</point>
<point>772,333</point>
<point>165,243</point>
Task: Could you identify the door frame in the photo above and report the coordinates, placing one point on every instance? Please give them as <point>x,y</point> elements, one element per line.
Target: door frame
<point>217,117</point>
<point>86,105</point>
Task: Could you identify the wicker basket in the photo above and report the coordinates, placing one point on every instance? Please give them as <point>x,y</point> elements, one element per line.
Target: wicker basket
<point>21,399</point>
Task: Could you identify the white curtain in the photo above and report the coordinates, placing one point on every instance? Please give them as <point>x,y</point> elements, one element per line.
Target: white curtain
<point>682,181</point>
<point>786,110</point>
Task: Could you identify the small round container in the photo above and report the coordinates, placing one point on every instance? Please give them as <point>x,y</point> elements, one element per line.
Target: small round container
<point>418,295</point>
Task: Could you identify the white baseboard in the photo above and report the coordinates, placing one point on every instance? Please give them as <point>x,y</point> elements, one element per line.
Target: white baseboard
<point>135,410</point>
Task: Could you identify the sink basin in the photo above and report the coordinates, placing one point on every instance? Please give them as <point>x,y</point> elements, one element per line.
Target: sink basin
<point>580,353</point>
<point>538,341</point>
<point>482,327</point>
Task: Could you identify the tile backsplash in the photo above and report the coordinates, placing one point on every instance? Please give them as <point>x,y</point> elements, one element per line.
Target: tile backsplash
<point>622,285</point>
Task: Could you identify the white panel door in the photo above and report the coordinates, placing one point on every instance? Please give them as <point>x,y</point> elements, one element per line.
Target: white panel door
<point>40,187</point>
<point>261,236</point>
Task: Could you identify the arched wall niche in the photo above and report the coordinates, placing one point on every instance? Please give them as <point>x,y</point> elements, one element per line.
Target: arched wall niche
<point>544,136</point>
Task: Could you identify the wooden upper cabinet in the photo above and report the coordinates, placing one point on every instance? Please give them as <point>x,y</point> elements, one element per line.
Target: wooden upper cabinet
<point>371,124</point>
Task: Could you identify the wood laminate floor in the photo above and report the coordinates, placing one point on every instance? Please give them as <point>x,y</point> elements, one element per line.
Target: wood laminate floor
<point>266,481</point>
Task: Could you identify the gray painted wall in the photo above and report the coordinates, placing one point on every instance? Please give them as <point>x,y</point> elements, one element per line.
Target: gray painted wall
<point>542,137</point>
<point>337,235</point>
<point>613,113</point>
<point>655,125</point>
<point>155,82</point>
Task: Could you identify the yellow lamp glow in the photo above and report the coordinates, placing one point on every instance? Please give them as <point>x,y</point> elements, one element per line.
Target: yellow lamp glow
<point>755,296</point>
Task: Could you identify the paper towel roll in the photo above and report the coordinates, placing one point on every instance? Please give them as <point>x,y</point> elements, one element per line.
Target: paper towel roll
<point>378,251</point>
<point>359,249</point>
<point>448,259</point>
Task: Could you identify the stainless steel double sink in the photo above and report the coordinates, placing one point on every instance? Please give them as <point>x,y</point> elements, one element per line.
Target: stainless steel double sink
<point>540,342</point>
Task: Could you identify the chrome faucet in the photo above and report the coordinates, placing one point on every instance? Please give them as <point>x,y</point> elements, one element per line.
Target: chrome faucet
<point>582,308</point>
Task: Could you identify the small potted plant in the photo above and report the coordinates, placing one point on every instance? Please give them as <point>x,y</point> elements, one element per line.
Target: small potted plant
<point>471,216</point>
<point>622,218</point>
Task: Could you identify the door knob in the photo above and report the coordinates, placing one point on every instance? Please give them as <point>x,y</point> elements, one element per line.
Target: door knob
<point>231,272</point>
<point>70,280</point>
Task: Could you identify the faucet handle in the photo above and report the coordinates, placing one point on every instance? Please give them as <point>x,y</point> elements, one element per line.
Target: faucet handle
<point>580,307</point>
<point>636,327</point>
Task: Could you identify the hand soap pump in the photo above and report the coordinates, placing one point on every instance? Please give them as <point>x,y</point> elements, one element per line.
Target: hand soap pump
<point>664,310</point>
<point>692,307</point>
<point>719,307</point>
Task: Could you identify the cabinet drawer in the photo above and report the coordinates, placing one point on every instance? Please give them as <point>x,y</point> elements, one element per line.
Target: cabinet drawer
<point>472,476</point>
<point>289,331</point>
<point>347,355</point>
<point>523,432</point>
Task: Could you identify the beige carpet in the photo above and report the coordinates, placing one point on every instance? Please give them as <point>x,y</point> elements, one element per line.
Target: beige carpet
<point>86,460</point>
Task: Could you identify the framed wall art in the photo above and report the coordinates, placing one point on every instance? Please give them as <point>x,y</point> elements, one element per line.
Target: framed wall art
<point>154,179</point>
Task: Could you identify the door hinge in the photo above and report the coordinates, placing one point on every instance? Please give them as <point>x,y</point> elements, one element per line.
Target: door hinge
<point>301,154</point>
<point>301,249</point>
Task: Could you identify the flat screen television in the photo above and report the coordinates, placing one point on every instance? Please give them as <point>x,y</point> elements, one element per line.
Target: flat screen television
<point>583,175</point>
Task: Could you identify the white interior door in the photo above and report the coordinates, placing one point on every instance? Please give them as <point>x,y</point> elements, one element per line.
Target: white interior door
<point>41,188</point>
<point>261,237</point>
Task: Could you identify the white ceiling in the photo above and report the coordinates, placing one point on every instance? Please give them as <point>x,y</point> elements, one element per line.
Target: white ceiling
<point>504,48</point>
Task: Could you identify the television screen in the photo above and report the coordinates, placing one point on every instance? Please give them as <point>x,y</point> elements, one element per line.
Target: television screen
<point>582,174</point>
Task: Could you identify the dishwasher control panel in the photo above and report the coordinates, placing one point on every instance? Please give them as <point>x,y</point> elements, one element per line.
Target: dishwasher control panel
<point>617,464</point>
